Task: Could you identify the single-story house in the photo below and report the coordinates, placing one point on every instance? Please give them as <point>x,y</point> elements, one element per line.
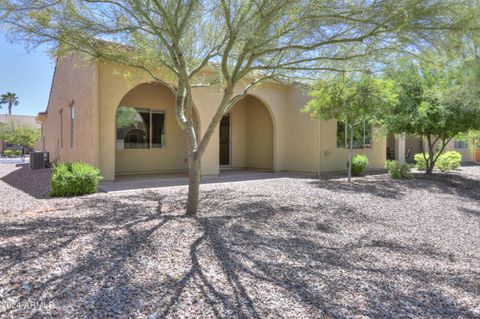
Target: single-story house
<point>120,121</point>
<point>13,122</point>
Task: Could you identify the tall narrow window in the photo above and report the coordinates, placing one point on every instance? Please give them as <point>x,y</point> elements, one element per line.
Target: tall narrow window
<point>158,129</point>
<point>61,128</point>
<point>72,120</point>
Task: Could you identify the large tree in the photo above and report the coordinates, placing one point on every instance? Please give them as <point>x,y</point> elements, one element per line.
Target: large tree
<point>27,136</point>
<point>234,44</point>
<point>352,100</point>
<point>11,99</point>
<point>436,103</point>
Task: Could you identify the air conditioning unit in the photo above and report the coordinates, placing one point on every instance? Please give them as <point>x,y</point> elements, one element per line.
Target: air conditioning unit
<point>39,160</point>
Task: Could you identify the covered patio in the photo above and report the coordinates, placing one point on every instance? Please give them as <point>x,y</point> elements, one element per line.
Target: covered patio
<point>143,181</point>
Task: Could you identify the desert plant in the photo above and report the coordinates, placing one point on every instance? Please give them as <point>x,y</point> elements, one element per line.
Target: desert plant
<point>398,170</point>
<point>359,164</point>
<point>7,153</point>
<point>449,161</point>
<point>74,179</point>
<point>421,161</point>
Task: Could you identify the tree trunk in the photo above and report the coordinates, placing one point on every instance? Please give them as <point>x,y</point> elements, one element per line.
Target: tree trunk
<point>9,108</point>
<point>430,163</point>
<point>350,155</point>
<point>193,185</point>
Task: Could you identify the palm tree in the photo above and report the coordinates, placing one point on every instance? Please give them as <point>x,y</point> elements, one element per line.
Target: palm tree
<point>11,99</point>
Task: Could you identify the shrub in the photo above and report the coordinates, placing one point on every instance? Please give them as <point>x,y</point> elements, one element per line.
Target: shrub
<point>398,170</point>
<point>7,152</point>
<point>359,164</point>
<point>18,152</point>
<point>449,161</point>
<point>74,179</point>
<point>420,162</point>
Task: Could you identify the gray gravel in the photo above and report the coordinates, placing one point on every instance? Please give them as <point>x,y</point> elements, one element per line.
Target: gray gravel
<point>280,248</point>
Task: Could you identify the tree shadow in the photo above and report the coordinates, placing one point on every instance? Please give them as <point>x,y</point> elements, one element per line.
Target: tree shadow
<point>35,182</point>
<point>137,254</point>
<point>381,185</point>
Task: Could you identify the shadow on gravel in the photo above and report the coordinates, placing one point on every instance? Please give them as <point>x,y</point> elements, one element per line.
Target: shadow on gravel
<point>35,182</point>
<point>385,187</point>
<point>246,260</point>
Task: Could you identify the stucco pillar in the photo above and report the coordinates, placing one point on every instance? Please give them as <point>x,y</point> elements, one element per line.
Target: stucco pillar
<point>401,148</point>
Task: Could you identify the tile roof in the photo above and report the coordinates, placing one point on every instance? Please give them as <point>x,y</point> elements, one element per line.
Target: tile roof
<point>19,120</point>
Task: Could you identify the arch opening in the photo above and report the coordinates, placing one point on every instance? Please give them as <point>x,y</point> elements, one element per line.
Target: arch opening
<point>148,136</point>
<point>247,136</point>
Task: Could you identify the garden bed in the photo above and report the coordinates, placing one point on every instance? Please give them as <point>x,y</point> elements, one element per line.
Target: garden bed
<point>287,247</point>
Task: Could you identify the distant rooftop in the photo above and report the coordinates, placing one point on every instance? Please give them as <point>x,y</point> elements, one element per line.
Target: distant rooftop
<point>19,120</point>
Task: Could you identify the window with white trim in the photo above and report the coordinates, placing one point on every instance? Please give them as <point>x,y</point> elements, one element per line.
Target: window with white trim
<point>362,136</point>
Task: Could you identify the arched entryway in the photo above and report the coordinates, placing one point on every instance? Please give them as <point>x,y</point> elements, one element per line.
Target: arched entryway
<point>148,136</point>
<point>247,136</point>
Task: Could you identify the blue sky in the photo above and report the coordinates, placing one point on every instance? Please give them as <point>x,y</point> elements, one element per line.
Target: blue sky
<point>28,74</point>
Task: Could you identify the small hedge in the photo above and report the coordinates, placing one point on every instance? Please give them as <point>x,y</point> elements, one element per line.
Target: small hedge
<point>398,170</point>
<point>359,164</point>
<point>447,161</point>
<point>420,162</point>
<point>18,152</point>
<point>7,153</point>
<point>69,179</point>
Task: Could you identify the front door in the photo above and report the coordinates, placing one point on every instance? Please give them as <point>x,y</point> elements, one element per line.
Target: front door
<point>225,140</point>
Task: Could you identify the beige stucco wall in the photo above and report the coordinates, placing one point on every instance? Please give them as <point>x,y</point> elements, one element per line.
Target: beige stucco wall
<point>74,80</point>
<point>293,140</point>
<point>333,158</point>
<point>251,129</point>
<point>259,135</point>
<point>468,155</point>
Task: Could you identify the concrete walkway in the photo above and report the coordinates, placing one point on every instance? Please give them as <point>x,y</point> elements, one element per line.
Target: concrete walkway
<point>142,181</point>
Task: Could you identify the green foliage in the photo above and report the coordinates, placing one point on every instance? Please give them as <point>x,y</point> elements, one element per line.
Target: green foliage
<point>445,162</point>
<point>22,135</point>
<point>7,152</point>
<point>76,178</point>
<point>10,99</point>
<point>449,161</point>
<point>17,152</point>
<point>435,103</point>
<point>359,164</point>
<point>351,100</point>
<point>420,162</point>
<point>398,170</point>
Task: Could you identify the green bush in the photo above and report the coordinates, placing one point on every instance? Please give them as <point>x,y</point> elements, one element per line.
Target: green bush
<point>74,179</point>
<point>449,161</point>
<point>359,164</point>
<point>7,152</point>
<point>398,170</point>
<point>18,152</point>
<point>420,162</point>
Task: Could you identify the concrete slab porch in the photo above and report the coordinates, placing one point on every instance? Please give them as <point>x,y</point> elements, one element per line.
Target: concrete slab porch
<point>142,181</point>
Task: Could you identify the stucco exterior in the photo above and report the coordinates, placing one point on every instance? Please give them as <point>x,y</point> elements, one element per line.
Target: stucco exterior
<point>268,129</point>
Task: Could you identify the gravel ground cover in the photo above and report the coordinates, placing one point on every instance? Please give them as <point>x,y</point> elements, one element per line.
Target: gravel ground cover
<point>279,248</point>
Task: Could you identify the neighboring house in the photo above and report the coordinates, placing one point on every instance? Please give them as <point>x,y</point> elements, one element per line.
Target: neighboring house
<point>14,121</point>
<point>411,145</point>
<point>127,125</point>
